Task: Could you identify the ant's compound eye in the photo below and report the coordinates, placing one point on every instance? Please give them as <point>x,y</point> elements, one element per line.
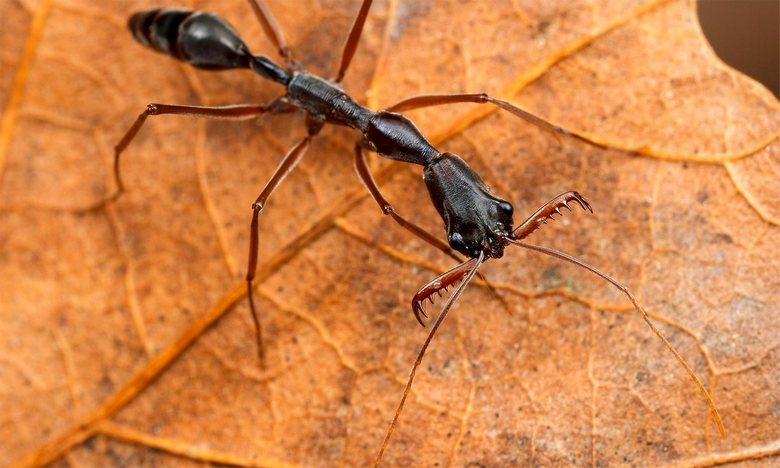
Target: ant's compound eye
<point>505,209</point>
<point>457,243</point>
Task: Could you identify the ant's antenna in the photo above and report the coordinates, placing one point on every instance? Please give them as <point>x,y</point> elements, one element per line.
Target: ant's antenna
<point>640,309</point>
<point>476,262</point>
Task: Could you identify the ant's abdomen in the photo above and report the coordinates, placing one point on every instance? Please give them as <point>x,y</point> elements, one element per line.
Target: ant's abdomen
<point>200,38</point>
<point>159,29</point>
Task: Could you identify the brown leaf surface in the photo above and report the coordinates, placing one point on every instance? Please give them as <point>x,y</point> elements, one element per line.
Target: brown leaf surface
<point>98,311</point>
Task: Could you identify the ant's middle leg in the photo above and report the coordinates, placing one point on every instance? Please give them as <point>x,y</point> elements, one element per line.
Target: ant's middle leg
<point>368,180</point>
<point>427,100</point>
<point>233,112</point>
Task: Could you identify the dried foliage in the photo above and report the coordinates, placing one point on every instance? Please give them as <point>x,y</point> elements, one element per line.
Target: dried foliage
<point>124,334</point>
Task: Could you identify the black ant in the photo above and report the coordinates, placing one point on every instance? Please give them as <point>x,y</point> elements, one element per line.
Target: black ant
<point>479,224</point>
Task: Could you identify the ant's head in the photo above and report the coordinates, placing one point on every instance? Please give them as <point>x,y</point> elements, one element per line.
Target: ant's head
<point>477,221</point>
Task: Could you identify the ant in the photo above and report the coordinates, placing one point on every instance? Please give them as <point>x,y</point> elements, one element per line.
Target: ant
<point>478,223</point>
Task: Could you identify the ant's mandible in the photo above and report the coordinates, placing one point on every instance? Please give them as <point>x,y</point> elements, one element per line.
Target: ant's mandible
<point>479,224</point>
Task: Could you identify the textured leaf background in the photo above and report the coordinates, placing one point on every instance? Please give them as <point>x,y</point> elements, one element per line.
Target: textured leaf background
<point>107,353</point>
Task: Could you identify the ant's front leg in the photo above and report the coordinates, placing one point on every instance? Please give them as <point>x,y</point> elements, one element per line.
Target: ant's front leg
<point>368,180</point>
<point>232,112</point>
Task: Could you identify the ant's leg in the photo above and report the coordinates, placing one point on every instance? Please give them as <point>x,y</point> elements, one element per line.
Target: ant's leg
<point>368,180</point>
<point>288,164</point>
<point>353,39</point>
<point>234,112</point>
<point>271,28</point>
<point>547,211</point>
<point>427,100</point>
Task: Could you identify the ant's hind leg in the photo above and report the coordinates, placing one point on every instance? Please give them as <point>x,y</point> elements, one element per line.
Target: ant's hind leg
<point>428,100</point>
<point>272,29</point>
<point>234,112</point>
<point>368,180</point>
<point>352,40</point>
<point>288,164</point>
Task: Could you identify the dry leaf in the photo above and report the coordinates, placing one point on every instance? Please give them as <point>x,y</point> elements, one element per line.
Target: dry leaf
<point>98,309</point>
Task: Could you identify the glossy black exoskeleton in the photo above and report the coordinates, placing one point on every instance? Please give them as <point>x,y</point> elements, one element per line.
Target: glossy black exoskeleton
<point>476,220</point>
<point>200,38</point>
